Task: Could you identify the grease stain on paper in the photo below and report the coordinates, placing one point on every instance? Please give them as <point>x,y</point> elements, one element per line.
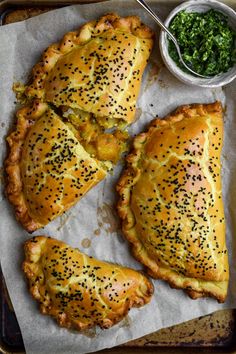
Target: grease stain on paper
<point>63,220</point>
<point>162,84</point>
<point>97,232</point>
<point>152,75</point>
<point>90,333</point>
<point>138,114</point>
<point>107,218</point>
<point>127,322</point>
<point>86,243</point>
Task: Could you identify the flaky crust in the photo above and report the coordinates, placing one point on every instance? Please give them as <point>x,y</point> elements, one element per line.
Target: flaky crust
<point>171,201</point>
<point>97,69</point>
<point>78,290</point>
<point>47,169</point>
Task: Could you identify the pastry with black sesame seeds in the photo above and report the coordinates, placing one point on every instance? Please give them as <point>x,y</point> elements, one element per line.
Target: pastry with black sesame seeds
<point>80,291</point>
<point>171,203</point>
<point>94,76</point>
<point>47,168</point>
<point>97,69</point>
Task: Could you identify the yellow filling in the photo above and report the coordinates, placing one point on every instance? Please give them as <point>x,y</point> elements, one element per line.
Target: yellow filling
<point>105,146</point>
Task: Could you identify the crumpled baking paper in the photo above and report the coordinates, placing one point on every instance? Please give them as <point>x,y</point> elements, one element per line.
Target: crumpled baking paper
<point>92,225</point>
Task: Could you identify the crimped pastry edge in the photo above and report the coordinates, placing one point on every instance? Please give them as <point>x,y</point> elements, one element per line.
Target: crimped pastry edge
<point>132,24</point>
<point>26,117</point>
<point>34,91</point>
<point>129,178</point>
<point>62,319</point>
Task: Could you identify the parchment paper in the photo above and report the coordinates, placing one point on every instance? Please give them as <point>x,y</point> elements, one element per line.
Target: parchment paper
<point>92,224</point>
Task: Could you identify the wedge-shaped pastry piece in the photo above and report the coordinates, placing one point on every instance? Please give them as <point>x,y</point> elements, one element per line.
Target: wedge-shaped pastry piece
<point>171,201</point>
<point>48,170</point>
<point>78,290</point>
<point>97,69</point>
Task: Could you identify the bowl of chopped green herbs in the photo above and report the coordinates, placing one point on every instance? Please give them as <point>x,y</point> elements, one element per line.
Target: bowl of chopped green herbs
<point>206,33</point>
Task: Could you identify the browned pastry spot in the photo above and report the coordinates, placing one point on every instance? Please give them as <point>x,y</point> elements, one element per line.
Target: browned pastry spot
<point>47,168</point>
<point>171,201</point>
<point>78,290</point>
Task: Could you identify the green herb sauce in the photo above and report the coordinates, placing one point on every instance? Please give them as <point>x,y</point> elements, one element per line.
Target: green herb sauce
<point>206,41</point>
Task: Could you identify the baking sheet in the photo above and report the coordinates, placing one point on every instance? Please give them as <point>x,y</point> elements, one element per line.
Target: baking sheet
<point>92,224</point>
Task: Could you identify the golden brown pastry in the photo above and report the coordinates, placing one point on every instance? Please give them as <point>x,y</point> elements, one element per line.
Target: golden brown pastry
<point>48,170</point>
<point>78,290</point>
<point>91,79</point>
<point>171,201</point>
<point>97,69</point>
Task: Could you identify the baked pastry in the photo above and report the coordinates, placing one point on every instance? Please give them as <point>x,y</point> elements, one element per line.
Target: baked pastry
<point>91,81</point>
<point>48,170</point>
<point>78,290</point>
<point>93,77</point>
<point>171,201</point>
<point>97,69</point>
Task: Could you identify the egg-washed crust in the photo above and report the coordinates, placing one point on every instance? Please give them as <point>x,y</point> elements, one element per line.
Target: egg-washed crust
<point>103,76</point>
<point>80,291</point>
<point>47,169</point>
<point>188,142</point>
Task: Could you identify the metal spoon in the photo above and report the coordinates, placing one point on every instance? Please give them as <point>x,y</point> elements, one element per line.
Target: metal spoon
<point>161,24</point>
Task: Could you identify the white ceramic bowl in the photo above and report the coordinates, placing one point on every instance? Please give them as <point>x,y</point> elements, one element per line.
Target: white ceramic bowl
<point>198,6</point>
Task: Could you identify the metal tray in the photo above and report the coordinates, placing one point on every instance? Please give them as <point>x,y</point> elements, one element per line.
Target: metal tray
<point>215,333</point>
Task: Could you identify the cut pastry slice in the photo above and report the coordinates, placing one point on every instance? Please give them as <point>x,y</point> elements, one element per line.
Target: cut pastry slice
<point>48,170</point>
<point>97,69</point>
<point>171,201</point>
<point>78,290</point>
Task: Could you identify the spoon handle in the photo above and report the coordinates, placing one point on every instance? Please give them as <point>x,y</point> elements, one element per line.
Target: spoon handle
<point>161,24</point>
<point>156,19</point>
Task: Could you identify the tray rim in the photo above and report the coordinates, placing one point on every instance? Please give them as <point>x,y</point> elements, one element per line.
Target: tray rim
<point>7,5</point>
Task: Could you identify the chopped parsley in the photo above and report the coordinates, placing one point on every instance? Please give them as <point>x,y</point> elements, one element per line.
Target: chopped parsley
<point>207,42</point>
